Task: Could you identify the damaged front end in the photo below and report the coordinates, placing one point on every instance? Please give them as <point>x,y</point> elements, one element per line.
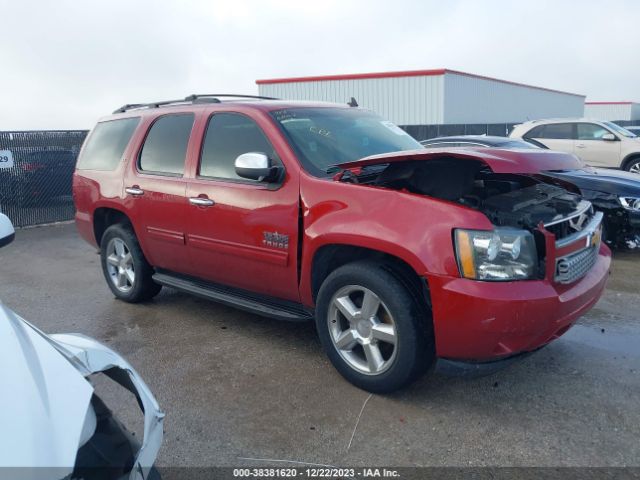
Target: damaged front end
<point>541,230</point>
<point>621,217</point>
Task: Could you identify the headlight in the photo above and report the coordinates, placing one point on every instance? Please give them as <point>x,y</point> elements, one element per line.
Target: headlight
<point>502,254</point>
<point>630,203</point>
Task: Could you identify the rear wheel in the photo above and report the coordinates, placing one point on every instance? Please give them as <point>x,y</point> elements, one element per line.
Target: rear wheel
<point>125,269</point>
<point>373,330</point>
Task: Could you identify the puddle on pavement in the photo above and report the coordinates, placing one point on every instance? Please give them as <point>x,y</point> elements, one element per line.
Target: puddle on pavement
<point>625,342</point>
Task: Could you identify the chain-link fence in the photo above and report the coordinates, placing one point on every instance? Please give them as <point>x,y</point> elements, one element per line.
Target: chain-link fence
<point>425,132</point>
<point>35,175</point>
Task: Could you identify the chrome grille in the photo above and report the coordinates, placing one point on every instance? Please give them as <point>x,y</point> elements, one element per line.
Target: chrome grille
<point>572,267</point>
<point>583,226</point>
<point>569,225</point>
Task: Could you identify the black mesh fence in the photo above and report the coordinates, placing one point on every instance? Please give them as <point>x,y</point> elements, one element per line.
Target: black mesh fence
<point>425,132</point>
<point>35,175</point>
<point>628,123</point>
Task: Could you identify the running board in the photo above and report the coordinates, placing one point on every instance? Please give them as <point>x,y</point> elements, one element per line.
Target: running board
<point>242,299</point>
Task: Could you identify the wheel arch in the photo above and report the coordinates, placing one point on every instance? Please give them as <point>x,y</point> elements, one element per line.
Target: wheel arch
<point>331,256</point>
<point>628,159</point>
<point>104,217</point>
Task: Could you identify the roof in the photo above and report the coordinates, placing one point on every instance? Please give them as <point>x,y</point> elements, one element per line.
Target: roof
<point>609,103</point>
<point>563,120</point>
<point>144,110</point>
<point>405,73</point>
<point>486,139</point>
<point>190,100</point>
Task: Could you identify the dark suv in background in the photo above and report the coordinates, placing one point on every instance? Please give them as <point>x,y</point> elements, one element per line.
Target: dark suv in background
<point>37,176</point>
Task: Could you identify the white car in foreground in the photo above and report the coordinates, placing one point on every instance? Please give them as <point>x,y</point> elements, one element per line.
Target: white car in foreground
<point>597,143</point>
<point>53,424</point>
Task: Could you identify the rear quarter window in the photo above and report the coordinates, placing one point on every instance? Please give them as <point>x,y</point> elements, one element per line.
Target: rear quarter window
<point>535,132</point>
<point>554,131</point>
<point>106,144</point>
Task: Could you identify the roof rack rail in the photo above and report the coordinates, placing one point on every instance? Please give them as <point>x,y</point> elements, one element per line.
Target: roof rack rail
<point>227,95</point>
<point>193,99</point>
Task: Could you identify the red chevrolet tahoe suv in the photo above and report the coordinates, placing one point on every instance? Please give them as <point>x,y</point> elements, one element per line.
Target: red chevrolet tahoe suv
<point>304,211</point>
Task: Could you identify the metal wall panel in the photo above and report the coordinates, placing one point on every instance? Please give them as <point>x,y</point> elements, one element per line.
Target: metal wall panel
<point>608,111</point>
<point>403,100</point>
<point>449,98</point>
<point>470,99</point>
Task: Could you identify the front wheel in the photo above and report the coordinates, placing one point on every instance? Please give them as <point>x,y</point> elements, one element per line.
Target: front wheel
<point>372,328</point>
<point>634,166</point>
<point>125,268</point>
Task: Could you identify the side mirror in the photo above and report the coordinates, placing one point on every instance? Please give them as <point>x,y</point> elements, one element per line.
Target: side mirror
<point>7,233</point>
<point>609,137</point>
<point>257,166</point>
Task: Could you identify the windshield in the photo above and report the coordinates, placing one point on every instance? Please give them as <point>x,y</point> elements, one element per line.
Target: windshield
<point>323,137</point>
<point>618,129</point>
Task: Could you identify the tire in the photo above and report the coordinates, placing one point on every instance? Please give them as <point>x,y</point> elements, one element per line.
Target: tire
<point>398,327</point>
<point>633,165</point>
<point>125,269</point>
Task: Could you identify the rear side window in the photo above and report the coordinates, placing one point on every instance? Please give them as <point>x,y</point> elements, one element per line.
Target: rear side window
<point>557,131</point>
<point>228,136</point>
<point>165,147</point>
<point>106,144</point>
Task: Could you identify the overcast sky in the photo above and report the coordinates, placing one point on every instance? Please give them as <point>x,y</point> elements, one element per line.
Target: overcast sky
<point>65,63</point>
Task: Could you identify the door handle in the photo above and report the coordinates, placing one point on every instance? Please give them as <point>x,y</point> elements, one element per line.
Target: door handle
<point>135,191</point>
<point>201,201</point>
<point>580,145</point>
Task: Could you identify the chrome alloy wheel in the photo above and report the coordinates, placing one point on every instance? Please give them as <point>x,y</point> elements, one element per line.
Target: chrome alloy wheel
<point>635,168</point>
<point>120,265</point>
<point>362,330</point>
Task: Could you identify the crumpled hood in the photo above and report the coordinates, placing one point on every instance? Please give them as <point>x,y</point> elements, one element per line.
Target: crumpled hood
<point>616,182</point>
<point>499,160</point>
<point>45,399</point>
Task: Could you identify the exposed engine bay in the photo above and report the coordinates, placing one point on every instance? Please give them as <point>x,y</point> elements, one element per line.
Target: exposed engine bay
<point>513,200</point>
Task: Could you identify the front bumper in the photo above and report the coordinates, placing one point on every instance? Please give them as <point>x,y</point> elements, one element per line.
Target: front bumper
<point>471,369</point>
<point>622,227</point>
<point>634,219</point>
<point>485,321</point>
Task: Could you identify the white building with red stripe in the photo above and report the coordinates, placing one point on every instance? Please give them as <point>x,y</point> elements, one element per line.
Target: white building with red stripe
<point>432,97</point>
<point>614,111</point>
